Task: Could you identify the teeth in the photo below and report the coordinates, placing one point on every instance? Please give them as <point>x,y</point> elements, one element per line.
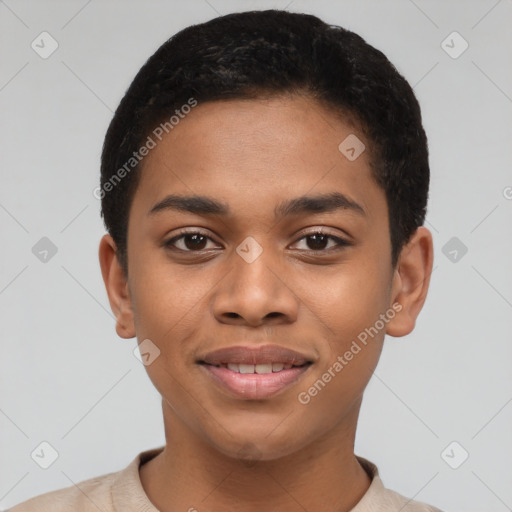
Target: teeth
<point>257,368</point>
<point>263,368</point>
<point>246,368</point>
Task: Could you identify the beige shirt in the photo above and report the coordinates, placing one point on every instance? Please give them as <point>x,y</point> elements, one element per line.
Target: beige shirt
<point>122,491</point>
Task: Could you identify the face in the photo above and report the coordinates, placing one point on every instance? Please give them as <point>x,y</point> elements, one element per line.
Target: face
<point>255,245</point>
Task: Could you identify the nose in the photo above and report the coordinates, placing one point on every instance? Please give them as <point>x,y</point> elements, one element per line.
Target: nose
<point>255,294</point>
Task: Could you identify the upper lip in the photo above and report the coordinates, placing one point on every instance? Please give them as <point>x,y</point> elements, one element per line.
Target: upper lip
<point>264,354</point>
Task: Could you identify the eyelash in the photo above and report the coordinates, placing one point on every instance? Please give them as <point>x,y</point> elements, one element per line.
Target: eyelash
<point>339,241</point>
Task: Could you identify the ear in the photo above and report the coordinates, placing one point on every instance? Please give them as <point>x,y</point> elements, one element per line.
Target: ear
<point>411,280</point>
<point>117,288</point>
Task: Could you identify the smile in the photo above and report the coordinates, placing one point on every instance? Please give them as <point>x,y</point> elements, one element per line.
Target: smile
<point>253,385</point>
<point>260,369</point>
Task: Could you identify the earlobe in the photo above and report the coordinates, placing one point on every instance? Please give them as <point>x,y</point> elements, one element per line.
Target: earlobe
<point>116,285</point>
<point>411,281</point>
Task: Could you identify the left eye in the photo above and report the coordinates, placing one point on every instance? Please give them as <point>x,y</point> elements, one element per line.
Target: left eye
<point>321,241</point>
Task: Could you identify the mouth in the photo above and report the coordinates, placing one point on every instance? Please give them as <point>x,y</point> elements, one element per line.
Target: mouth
<point>255,373</point>
<point>260,369</point>
<point>256,356</point>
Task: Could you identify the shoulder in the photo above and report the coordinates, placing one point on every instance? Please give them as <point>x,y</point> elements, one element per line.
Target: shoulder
<point>379,498</point>
<point>392,500</point>
<point>89,495</point>
<point>117,491</point>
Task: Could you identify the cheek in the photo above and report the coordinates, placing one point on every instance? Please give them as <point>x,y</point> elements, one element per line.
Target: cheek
<point>164,299</point>
<point>351,351</point>
<point>350,301</point>
<point>165,312</point>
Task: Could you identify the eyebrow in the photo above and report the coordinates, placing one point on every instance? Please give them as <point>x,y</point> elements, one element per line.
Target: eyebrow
<point>203,205</point>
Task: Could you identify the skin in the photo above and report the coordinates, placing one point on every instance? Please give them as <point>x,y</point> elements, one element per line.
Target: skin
<point>223,452</point>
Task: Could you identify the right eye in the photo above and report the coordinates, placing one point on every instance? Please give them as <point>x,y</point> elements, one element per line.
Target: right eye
<point>189,241</point>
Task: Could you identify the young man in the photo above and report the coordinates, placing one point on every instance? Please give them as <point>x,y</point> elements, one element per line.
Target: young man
<point>264,185</point>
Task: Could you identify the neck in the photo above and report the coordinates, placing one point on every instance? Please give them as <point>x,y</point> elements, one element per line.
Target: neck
<point>192,475</point>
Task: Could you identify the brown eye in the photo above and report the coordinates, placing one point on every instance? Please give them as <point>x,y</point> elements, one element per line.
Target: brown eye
<point>317,241</point>
<point>321,242</point>
<point>194,242</point>
<point>189,242</point>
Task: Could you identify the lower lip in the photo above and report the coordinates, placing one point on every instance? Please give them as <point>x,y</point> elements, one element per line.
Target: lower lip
<point>255,386</point>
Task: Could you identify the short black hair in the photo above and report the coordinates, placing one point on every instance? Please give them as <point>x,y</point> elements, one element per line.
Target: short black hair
<point>258,54</point>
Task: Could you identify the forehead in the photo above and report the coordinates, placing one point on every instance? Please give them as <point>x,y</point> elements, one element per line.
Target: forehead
<point>261,151</point>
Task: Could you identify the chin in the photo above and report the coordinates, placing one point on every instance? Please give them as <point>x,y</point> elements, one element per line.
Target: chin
<point>261,446</point>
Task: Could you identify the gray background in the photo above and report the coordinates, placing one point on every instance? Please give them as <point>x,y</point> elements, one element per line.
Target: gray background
<point>65,376</point>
